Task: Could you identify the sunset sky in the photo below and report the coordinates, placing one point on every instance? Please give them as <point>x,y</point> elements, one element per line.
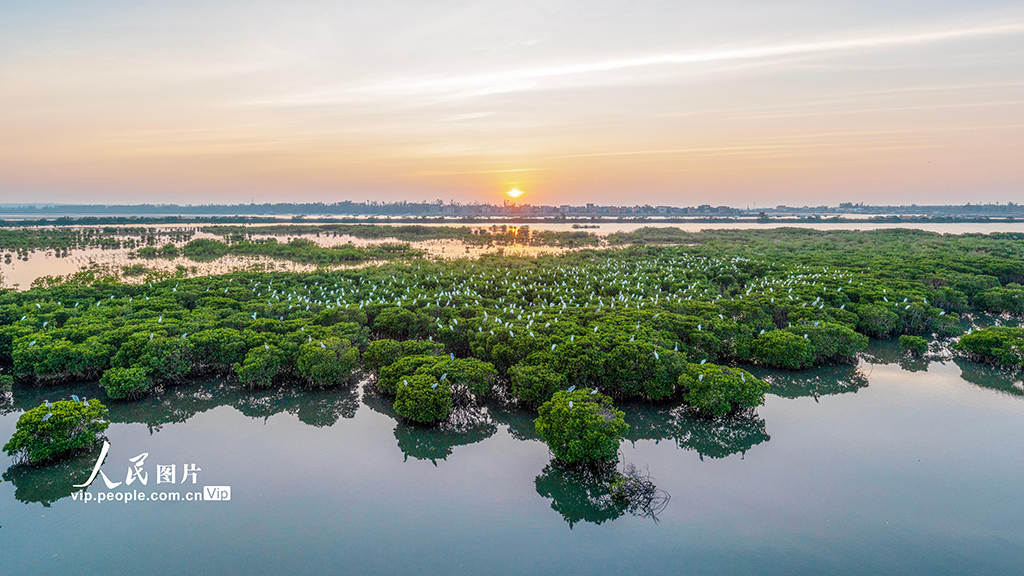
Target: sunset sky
<point>614,102</point>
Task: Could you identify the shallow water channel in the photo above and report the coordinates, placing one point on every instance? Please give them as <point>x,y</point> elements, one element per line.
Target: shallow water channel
<point>888,467</point>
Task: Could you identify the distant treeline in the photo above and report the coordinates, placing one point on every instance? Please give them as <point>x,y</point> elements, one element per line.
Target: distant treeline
<point>280,208</point>
<point>434,209</point>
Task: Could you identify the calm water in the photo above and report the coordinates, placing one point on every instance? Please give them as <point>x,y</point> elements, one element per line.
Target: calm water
<point>21,273</point>
<point>879,468</point>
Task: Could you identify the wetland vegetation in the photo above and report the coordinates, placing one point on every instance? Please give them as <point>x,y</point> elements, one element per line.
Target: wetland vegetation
<point>700,326</point>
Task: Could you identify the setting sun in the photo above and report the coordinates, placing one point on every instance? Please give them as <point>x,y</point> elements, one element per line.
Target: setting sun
<point>515,193</point>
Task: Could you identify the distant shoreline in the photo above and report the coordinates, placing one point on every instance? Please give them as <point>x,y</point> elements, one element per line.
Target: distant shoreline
<point>13,221</point>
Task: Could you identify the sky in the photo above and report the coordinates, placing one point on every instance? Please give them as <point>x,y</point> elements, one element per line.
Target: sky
<point>736,102</point>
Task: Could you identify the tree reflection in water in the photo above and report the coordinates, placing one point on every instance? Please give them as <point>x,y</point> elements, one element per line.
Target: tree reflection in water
<point>814,383</point>
<point>49,483</point>
<point>467,424</point>
<point>991,377</point>
<point>175,404</point>
<point>708,436</point>
<point>518,419</point>
<point>579,494</point>
<point>319,408</point>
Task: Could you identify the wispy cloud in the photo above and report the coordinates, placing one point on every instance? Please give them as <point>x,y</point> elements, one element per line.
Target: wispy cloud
<point>463,172</point>
<point>527,74</point>
<point>533,78</point>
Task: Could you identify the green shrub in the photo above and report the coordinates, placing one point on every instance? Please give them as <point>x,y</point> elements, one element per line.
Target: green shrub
<point>782,349</point>
<point>535,383</point>
<point>120,383</point>
<point>998,300</point>
<point>421,398</point>
<point>642,369</point>
<point>217,349</point>
<point>69,428</point>
<point>580,427</point>
<point>329,362</point>
<point>380,353</point>
<point>392,374</point>
<point>718,390</point>
<point>999,345</point>
<point>877,321</point>
<point>167,358</point>
<point>401,323</point>
<point>832,342</point>
<point>41,357</point>
<point>475,375</point>
<point>163,358</point>
<point>262,365</point>
<point>913,344</point>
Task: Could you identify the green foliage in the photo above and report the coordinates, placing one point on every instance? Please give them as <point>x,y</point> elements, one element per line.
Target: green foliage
<point>421,398</point>
<point>877,320</point>
<point>51,432</point>
<point>642,369</point>
<point>42,357</point>
<point>328,362</point>
<point>298,250</point>
<point>121,383</point>
<point>534,384</point>
<point>380,353</point>
<point>718,390</point>
<point>831,342</point>
<point>217,349</point>
<point>1000,345</point>
<point>782,349</point>
<point>580,427</point>
<point>1009,299</point>
<point>262,365</point>
<point>401,323</point>
<point>392,375</point>
<point>914,344</point>
<point>623,320</point>
<point>162,358</point>
<point>474,375</point>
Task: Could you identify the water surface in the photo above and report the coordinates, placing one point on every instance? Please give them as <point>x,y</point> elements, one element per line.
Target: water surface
<point>888,467</point>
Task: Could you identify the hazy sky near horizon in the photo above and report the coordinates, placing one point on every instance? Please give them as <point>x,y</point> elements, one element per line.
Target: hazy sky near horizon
<point>663,102</point>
